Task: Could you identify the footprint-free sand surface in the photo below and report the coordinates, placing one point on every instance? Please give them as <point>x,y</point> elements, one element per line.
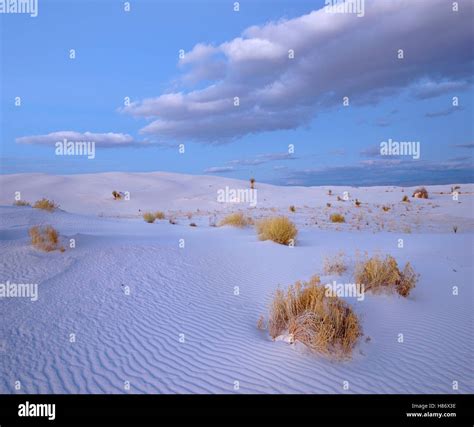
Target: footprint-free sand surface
<point>163,308</point>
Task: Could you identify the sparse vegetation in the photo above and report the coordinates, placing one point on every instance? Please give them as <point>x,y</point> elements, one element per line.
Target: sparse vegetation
<point>117,195</point>
<point>335,265</point>
<point>420,193</point>
<point>357,203</point>
<point>377,274</point>
<point>252,183</point>
<point>329,192</point>
<point>45,204</point>
<point>149,217</point>
<point>45,238</point>
<point>455,228</point>
<point>159,215</point>
<point>324,324</point>
<point>193,224</point>
<point>237,219</point>
<point>328,205</point>
<point>406,199</point>
<point>385,208</point>
<point>21,203</point>
<point>336,217</point>
<point>278,229</point>
<point>292,208</point>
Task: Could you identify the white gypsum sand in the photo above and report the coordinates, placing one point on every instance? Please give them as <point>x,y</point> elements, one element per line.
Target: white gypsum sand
<point>181,328</point>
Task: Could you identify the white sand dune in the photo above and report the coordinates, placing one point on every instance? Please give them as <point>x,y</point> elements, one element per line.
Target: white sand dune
<point>182,328</point>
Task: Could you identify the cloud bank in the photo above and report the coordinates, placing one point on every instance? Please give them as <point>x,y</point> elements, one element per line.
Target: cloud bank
<point>109,139</point>
<point>335,55</point>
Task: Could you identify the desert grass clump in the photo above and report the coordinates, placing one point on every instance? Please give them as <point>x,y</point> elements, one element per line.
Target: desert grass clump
<point>21,203</point>
<point>45,204</point>
<point>377,274</point>
<point>357,203</point>
<point>149,217</point>
<point>45,238</point>
<point>385,208</point>
<point>292,208</point>
<point>336,217</point>
<point>278,229</point>
<point>420,193</point>
<point>117,195</point>
<point>159,215</point>
<point>237,219</point>
<point>406,199</point>
<point>325,324</point>
<point>335,265</point>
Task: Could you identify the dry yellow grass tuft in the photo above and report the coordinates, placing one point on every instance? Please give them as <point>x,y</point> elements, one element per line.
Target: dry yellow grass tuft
<point>237,219</point>
<point>335,265</point>
<point>21,203</point>
<point>117,195</point>
<point>324,324</point>
<point>149,217</point>
<point>45,238</point>
<point>377,274</point>
<point>47,205</point>
<point>406,199</point>
<point>385,208</point>
<point>337,218</point>
<point>159,215</point>
<point>278,229</point>
<point>420,193</point>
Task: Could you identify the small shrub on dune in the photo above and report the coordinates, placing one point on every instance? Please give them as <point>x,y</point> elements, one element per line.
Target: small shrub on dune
<point>406,199</point>
<point>45,238</point>
<point>117,195</point>
<point>278,229</point>
<point>149,217</point>
<point>337,218</point>
<point>335,264</point>
<point>377,274</point>
<point>45,204</point>
<point>21,203</point>
<point>159,215</point>
<point>237,219</point>
<point>357,203</point>
<point>420,193</point>
<point>193,224</point>
<point>324,324</point>
<point>385,208</point>
<point>292,208</point>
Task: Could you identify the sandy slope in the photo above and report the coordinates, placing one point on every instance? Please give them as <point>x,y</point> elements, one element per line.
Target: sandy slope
<point>191,291</point>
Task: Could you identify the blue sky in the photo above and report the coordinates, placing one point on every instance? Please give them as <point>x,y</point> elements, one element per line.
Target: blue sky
<point>283,101</point>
